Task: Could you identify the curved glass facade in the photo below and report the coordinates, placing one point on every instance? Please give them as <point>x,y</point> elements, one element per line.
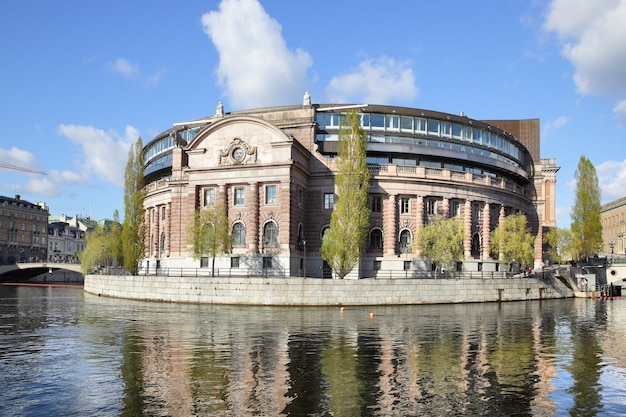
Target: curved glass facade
<point>157,154</point>
<point>427,132</point>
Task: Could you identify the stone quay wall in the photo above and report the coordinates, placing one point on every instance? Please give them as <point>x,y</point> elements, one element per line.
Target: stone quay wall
<point>322,292</point>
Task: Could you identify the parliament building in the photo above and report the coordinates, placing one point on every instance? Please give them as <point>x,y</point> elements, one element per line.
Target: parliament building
<point>273,169</point>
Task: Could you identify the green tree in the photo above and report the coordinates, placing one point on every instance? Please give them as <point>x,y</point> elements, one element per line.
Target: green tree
<point>210,233</point>
<point>441,241</point>
<point>559,244</point>
<point>586,224</point>
<point>102,246</point>
<point>133,228</point>
<point>342,244</point>
<point>512,238</point>
<point>94,253</point>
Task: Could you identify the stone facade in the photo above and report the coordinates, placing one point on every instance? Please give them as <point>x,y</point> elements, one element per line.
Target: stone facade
<point>274,169</point>
<point>321,292</point>
<point>614,227</point>
<point>23,231</point>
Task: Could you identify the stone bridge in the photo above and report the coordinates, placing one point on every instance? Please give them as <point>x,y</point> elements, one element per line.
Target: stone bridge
<point>22,272</point>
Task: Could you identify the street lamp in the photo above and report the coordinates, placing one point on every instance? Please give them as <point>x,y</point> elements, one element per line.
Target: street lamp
<point>612,245</point>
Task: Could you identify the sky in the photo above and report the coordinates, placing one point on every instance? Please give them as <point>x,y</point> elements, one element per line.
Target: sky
<point>81,81</point>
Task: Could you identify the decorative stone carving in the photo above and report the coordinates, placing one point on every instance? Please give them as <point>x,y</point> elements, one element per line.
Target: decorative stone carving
<point>238,153</point>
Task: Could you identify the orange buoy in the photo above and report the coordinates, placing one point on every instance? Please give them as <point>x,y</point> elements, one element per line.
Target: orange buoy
<point>372,315</point>
<point>342,309</point>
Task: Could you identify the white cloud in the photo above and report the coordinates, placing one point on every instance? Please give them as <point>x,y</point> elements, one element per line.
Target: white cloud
<point>103,154</point>
<point>553,125</point>
<point>19,158</point>
<point>379,81</point>
<point>127,69</point>
<point>620,112</point>
<point>611,177</point>
<point>593,35</point>
<point>256,68</point>
<point>124,68</point>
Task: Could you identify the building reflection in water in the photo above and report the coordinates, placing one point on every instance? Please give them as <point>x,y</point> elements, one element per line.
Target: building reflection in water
<point>423,360</point>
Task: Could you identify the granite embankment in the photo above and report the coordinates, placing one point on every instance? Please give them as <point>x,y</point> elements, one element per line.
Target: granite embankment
<point>319,292</point>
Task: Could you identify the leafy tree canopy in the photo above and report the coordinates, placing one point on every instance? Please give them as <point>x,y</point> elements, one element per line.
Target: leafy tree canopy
<point>586,221</point>
<point>349,222</point>
<point>210,233</point>
<point>441,241</point>
<point>512,239</point>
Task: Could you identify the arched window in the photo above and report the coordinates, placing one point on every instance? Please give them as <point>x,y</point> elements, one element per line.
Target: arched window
<point>239,234</point>
<point>376,239</point>
<point>270,234</point>
<point>405,241</point>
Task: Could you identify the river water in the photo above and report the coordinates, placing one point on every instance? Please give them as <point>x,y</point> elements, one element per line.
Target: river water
<point>67,353</point>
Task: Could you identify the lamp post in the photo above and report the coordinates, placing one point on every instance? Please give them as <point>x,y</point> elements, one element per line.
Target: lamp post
<point>612,245</point>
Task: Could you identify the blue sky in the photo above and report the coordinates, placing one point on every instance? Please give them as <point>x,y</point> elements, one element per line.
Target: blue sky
<point>81,81</point>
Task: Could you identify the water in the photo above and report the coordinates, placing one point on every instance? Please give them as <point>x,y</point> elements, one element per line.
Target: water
<point>67,353</point>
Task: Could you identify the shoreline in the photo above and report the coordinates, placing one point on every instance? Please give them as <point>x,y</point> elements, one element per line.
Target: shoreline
<point>41,284</point>
<point>322,292</point>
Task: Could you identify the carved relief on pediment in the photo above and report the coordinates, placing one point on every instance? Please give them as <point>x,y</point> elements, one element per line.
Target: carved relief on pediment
<point>238,152</point>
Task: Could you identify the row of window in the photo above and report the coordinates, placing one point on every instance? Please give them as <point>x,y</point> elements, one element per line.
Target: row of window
<point>14,237</point>
<point>424,126</point>
<point>16,214</point>
<point>404,205</point>
<point>23,226</point>
<point>239,195</point>
<point>269,240</point>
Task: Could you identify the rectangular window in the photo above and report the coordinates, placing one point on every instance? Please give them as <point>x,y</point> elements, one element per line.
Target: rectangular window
<point>406,124</point>
<point>209,196</point>
<point>407,265</point>
<point>267,262</point>
<point>377,265</point>
<point>329,201</point>
<point>404,205</point>
<point>433,127</point>
<point>377,204</point>
<point>239,196</point>
<point>234,262</point>
<point>204,262</point>
<point>392,122</point>
<point>300,198</point>
<point>270,194</point>
<point>163,213</point>
<point>455,208</point>
<point>377,121</point>
<point>430,207</point>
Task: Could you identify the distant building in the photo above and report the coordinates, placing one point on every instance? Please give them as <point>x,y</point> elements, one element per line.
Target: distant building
<point>64,242</point>
<point>274,169</point>
<point>613,227</point>
<point>23,230</point>
<point>67,236</point>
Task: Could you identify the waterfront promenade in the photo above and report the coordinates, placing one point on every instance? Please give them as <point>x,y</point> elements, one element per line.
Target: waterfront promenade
<point>324,292</point>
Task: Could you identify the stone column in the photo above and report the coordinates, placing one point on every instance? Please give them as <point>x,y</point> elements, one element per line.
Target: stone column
<point>500,220</point>
<point>467,223</point>
<point>390,225</point>
<point>419,220</point>
<point>252,228</point>
<point>168,233</point>
<point>486,228</point>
